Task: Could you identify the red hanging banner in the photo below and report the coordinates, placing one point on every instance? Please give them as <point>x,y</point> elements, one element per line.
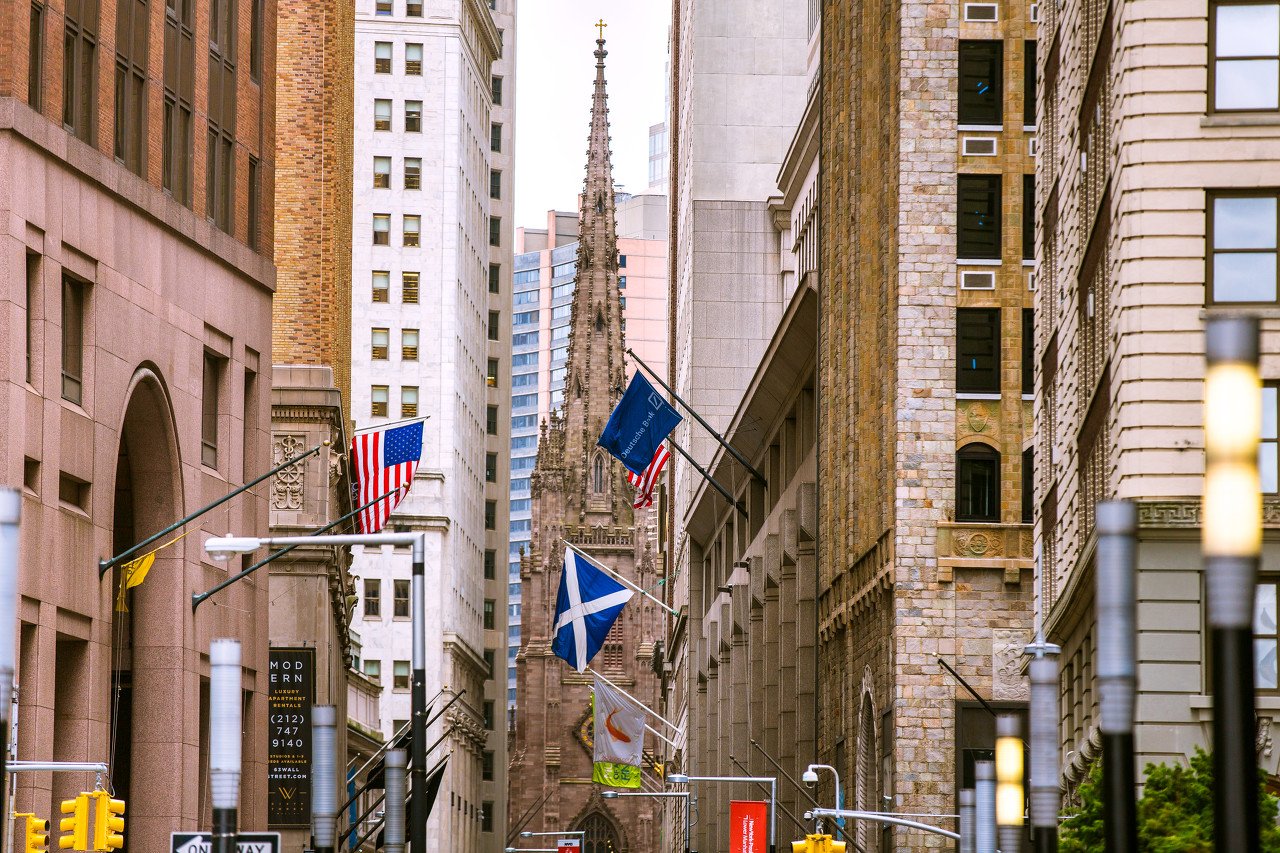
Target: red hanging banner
<point>748,826</point>
<point>568,845</point>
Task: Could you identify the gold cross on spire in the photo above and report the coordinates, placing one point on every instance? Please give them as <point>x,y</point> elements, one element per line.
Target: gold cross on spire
<point>600,25</point>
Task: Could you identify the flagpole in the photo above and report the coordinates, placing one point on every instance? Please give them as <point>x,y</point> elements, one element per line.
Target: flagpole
<point>390,424</point>
<point>712,480</point>
<point>650,711</point>
<point>661,737</point>
<point>726,445</point>
<point>585,556</point>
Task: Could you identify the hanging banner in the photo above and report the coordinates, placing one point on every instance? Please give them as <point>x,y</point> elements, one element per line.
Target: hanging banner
<point>748,826</point>
<point>291,694</point>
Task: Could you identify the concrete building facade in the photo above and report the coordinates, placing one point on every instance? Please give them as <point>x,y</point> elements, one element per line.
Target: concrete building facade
<point>137,244</point>
<point>923,449</point>
<point>425,343</point>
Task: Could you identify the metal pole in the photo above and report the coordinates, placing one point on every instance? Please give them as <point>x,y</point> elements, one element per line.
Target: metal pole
<point>1232,544</point>
<point>393,817</point>
<point>984,835</point>
<point>418,744</point>
<point>324,795</point>
<point>773,814</point>
<point>225,735</point>
<point>688,818</point>
<point>967,817</point>
<point>10,518</point>
<point>1045,798</point>
<point>1117,671</point>
<point>1010,802</point>
<point>712,480</point>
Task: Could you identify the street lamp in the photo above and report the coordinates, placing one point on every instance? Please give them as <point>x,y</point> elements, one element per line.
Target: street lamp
<point>1009,769</point>
<point>682,779</point>
<point>222,547</point>
<point>609,795</point>
<point>577,832</point>
<point>810,777</point>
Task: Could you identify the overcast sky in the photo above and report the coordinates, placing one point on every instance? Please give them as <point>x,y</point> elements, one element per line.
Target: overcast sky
<point>555,71</point>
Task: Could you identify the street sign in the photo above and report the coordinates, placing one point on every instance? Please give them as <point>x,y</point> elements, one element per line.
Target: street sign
<point>568,845</point>
<point>247,842</point>
<point>291,693</point>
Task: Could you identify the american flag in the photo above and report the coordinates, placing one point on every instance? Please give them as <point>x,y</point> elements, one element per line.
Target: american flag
<point>384,460</point>
<point>648,478</point>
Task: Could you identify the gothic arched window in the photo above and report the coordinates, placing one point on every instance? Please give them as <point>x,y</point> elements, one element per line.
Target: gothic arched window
<point>601,837</point>
<point>597,474</point>
<point>599,321</point>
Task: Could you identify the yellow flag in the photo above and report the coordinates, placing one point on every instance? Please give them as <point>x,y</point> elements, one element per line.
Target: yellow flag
<point>133,574</point>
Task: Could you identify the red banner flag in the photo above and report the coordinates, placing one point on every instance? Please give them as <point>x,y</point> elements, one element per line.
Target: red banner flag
<point>748,826</point>
<point>568,845</point>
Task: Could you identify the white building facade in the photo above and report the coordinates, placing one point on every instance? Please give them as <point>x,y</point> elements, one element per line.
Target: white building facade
<point>424,344</point>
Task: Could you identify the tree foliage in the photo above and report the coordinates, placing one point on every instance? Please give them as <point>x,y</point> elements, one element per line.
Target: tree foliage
<point>1175,813</point>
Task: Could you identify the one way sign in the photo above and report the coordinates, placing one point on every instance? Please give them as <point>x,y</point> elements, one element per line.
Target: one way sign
<point>247,842</point>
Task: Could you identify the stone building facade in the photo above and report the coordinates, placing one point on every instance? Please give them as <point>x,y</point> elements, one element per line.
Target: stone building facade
<point>581,495</point>
<point>137,303</point>
<point>1160,168</point>
<point>923,450</point>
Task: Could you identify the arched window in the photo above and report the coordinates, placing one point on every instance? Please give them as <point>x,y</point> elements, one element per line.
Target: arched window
<point>599,321</point>
<point>601,837</point>
<point>977,483</point>
<point>597,474</point>
<point>865,780</point>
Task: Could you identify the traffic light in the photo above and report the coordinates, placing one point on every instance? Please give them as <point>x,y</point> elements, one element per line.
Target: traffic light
<point>817,844</point>
<point>75,829</point>
<point>108,825</point>
<point>37,837</point>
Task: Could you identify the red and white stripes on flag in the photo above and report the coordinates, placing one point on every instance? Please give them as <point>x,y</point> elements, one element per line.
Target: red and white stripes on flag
<point>647,479</point>
<point>384,460</point>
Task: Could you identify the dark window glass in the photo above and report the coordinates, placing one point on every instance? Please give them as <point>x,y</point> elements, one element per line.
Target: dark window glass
<point>74,297</point>
<point>981,74</point>
<point>978,229</point>
<point>255,40</point>
<point>491,467</point>
<point>491,420</point>
<point>253,213</point>
<point>490,515</point>
<point>79,67</point>
<point>372,597</point>
<point>495,231</point>
<point>1028,485</point>
<point>489,610</point>
<point>494,324</point>
<point>400,599</point>
<point>978,350</point>
<point>179,71</point>
<point>495,278</point>
<point>1029,217</point>
<point>977,483</point>
<point>496,86</point>
<point>495,138</point>
<point>35,57</point>
<point>1028,350</point>
<point>1029,84</point>
<point>209,409</point>
<point>495,184</point>
<point>490,565</point>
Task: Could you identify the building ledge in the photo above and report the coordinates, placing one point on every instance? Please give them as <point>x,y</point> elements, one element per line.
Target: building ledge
<point>964,545</point>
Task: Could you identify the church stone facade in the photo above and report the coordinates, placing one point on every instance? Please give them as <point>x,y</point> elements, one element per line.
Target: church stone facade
<point>580,494</point>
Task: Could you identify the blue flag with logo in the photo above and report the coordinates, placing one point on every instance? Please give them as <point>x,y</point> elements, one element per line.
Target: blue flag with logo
<point>640,422</point>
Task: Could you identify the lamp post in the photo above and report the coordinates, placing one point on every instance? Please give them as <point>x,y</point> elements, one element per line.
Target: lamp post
<point>324,798</point>
<point>222,547</point>
<point>1117,670</point>
<point>688,800</point>
<point>1043,777</point>
<point>682,779</point>
<point>810,776</point>
<point>1232,544</point>
<point>10,516</point>
<point>393,796</point>
<point>1009,797</point>
<point>225,738</point>
<point>984,795</point>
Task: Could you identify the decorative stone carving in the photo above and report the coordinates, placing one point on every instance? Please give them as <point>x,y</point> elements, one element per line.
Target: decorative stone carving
<point>978,543</point>
<point>287,485</point>
<point>1262,741</point>
<point>978,418</point>
<point>1007,683</point>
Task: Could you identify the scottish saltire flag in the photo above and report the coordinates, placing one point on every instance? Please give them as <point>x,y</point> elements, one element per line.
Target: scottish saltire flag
<point>645,481</point>
<point>586,606</point>
<point>384,460</point>
<point>639,424</point>
<point>618,738</point>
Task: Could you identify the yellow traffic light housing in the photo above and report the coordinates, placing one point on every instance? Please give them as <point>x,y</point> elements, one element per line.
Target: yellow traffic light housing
<point>108,825</point>
<point>37,837</point>
<point>817,844</point>
<point>75,829</point>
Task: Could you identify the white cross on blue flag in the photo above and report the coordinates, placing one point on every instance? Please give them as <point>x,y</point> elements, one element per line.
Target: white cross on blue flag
<point>587,605</point>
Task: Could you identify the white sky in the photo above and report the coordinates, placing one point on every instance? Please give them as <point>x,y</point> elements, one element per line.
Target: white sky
<point>555,70</point>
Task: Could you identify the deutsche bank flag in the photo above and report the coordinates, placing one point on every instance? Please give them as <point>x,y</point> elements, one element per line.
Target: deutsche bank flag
<point>587,605</point>
<point>640,422</point>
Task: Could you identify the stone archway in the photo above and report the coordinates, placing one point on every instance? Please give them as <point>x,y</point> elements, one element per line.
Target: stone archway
<point>146,727</point>
<point>601,834</point>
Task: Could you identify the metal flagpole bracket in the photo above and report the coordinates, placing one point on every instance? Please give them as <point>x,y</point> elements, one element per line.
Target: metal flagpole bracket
<point>679,732</point>
<point>737,504</point>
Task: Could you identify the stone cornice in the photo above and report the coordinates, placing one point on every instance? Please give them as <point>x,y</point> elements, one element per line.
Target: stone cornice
<point>1185,513</point>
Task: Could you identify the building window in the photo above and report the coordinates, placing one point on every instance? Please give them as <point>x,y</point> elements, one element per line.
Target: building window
<point>1028,485</point>
<point>1268,455</point>
<point>489,620</point>
<point>494,323</point>
<point>179,74</point>
<point>1246,56</point>
<point>491,467</point>
<point>981,71</point>
<point>490,515</point>
<point>378,401</point>
<point>1029,217</point>
<point>622,262</point>
<point>978,210</point>
<point>490,565</point>
<point>495,138</point>
<point>409,401</point>
<point>382,57</point>
<point>495,85</point>
<point>491,420</point>
<point>977,483</point>
<point>1265,635</point>
<point>400,675</point>
<point>495,230</point>
<point>74,300</point>
<point>412,116</point>
<point>413,59</point>
<point>373,670</point>
<point>495,278</point>
<point>409,288</point>
<point>622,282</point>
<point>382,7</point>
<point>413,173</point>
<point>381,173</point>
<point>489,658</point>
<point>978,350</point>
<point>372,598</point>
<point>412,230</point>
<point>35,56</point>
<point>254,195</point>
<point>486,769</point>
<point>379,341</point>
<point>400,599</point>
<point>409,344</point>
<point>131,83</point>
<point>220,156</point>
<point>495,183</point>
<point>1244,237</point>
<point>209,408</point>
<point>413,8</point>
<point>382,229</point>
<point>486,812</point>
<point>1028,351</point>
<point>491,377</point>
<point>1029,84</point>
<point>79,67</point>
<point>255,40</point>
<point>382,114</point>
<point>381,286</point>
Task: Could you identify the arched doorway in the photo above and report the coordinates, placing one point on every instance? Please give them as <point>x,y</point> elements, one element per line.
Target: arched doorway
<point>147,498</point>
<point>601,835</point>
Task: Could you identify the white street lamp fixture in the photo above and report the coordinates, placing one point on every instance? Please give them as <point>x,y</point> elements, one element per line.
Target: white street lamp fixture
<point>772,781</point>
